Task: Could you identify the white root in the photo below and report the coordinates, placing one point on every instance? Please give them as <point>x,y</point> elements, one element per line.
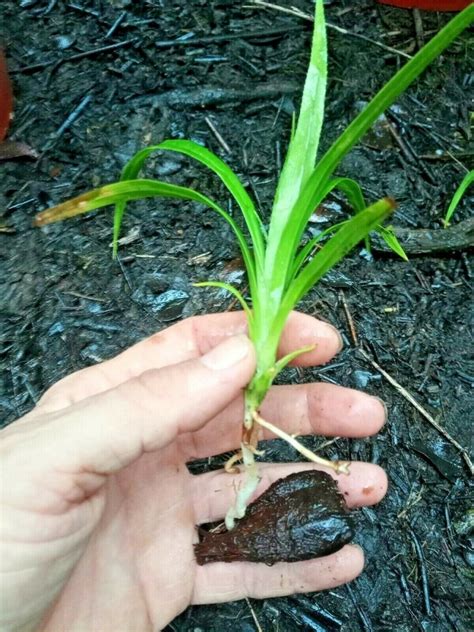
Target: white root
<point>252,477</point>
<point>245,493</point>
<point>340,467</point>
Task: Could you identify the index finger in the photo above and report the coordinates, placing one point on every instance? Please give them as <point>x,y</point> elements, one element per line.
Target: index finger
<point>186,340</point>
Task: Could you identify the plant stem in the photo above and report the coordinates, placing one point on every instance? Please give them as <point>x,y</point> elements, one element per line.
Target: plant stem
<point>266,343</point>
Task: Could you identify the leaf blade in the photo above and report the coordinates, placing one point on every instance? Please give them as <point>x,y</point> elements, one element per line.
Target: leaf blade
<point>462,188</point>
<point>300,159</point>
<point>235,292</point>
<point>353,231</point>
<point>314,189</point>
<point>232,184</point>
<point>138,189</point>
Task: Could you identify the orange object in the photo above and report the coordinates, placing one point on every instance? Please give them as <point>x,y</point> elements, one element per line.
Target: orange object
<point>6,97</point>
<point>429,5</point>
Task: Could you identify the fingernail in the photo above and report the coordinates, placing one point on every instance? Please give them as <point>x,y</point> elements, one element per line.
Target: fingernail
<point>384,406</point>
<point>227,353</point>
<point>339,337</point>
<point>357,546</point>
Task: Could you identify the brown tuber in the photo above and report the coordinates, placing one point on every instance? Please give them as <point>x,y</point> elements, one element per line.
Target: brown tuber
<point>299,517</point>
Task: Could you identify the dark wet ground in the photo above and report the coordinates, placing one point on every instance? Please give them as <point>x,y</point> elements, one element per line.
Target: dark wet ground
<point>87,108</point>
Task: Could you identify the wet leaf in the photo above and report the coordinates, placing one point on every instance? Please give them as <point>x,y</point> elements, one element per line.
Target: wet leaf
<point>10,149</point>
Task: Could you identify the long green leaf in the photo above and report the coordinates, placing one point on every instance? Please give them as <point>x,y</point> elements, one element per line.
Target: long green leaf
<point>393,89</point>
<point>355,196</point>
<point>353,231</point>
<point>351,190</point>
<point>391,240</point>
<point>219,167</point>
<point>235,292</point>
<point>465,183</point>
<point>302,151</point>
<point>303,147</point>
<point>123,192</point>
<point>289,357</point>
<point>308,248</point>
<point>313,192</point>
<point>233,185</point>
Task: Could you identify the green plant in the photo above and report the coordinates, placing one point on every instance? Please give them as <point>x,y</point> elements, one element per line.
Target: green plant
<point>462,188</point>
<point>280,270</point>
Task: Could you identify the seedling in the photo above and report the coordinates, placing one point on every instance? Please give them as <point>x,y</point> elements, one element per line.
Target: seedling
<point>280,269</point>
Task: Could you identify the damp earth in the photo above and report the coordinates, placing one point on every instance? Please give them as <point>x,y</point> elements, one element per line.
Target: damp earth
<point>94,82</point>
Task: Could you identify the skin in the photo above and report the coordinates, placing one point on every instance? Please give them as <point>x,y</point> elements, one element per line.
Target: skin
<point>98,509</point>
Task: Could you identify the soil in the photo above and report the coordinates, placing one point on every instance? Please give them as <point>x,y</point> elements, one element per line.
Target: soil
<point>96,80</point>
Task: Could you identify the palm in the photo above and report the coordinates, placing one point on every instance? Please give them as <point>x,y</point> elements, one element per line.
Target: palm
<point>115,504</point>
<point>142,547</point>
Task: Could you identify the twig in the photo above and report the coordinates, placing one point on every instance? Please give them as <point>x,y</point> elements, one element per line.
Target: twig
<point>234,300</point>
<point>334,27</point>
<point>419,30</point>
<point>209,95</point>
<point>420,409</point>
<point>349,319</point>
<point>85,297</point>
<point>340,467</point>
<point>364,619</point>
<point>124,273</point>
<point>115,25</point>
<point>73,116</point>
<point>87,53</point>
<point>254,615</point>
<point>211,39</point>
<point>406,148</point>
<point>423,572</point>
<point>66,124</point>
<point>218,136</point>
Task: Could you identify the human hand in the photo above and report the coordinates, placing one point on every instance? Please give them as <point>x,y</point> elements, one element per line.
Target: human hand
<point>98,509</point>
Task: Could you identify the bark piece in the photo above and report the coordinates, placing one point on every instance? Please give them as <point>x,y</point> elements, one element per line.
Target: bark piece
<point>299,517</point>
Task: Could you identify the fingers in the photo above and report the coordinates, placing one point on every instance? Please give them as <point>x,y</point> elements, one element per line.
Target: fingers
<point>106,432</point>
<point>303,409</point>
<point>186,340</point>
<point>324,409</point>
<point>228,582</point>
<point>215,492</point>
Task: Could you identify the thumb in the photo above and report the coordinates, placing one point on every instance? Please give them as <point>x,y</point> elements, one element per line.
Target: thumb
<point>106,432</point>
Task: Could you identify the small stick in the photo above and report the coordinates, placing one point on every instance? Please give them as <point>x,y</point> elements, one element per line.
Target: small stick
<point>364,618</point>
<point>124,272</point>
<point>421,410</point>
<point>87,53</point>
<point>340,467</point>
<point>407,150</point>
<point>423,572</point>
<point>350,320</point>
<point>225,37</point>
<point>182,98</point>
<point>71,118</point>
<point>254,615</point>
<point>339,29</point>
<point>218,136</point>
<point>419,30</point>
<point>234,301</point>
<point>115,25</point>
<point>86,297</point>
